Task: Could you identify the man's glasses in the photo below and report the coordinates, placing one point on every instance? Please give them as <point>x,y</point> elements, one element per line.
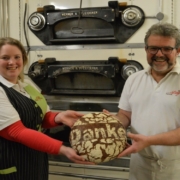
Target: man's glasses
<point>164,50</point>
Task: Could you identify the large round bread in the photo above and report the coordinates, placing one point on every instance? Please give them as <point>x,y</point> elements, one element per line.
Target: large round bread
<point>98,137</point>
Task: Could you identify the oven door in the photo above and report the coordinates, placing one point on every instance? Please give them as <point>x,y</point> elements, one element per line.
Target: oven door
<point>112,24</point>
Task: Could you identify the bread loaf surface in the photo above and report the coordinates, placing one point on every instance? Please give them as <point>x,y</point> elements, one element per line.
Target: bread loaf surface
<point>98,137</point>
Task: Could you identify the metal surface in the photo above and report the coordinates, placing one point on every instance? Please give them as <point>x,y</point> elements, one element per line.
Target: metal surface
<point>87,46</point>
<point>98,172</point>
<point>83,103</point>
<point>132,16</point>
<point>37,21</point>
<point>121,164</point>
<point>129,69</point>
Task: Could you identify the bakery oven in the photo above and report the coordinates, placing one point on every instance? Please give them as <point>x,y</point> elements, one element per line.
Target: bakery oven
<point>85,86</point>
<point>114,23</point>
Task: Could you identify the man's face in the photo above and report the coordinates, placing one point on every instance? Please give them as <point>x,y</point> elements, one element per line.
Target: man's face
<point>161,62</point>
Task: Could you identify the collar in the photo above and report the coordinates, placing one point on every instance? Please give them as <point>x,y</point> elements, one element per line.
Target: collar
<point>9,84</point>
<point>176,69</point>
<point>6,82</point>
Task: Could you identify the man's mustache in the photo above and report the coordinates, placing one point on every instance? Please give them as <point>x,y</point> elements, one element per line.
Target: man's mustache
<point>159,59</point>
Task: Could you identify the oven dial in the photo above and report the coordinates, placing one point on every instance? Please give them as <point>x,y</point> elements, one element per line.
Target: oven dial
<point>131,16</point>
<point>127,70</point>
<point>36,21</point>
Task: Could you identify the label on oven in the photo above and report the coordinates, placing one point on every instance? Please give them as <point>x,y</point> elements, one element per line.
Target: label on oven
<point>85,13</point>
<point>107,70</point>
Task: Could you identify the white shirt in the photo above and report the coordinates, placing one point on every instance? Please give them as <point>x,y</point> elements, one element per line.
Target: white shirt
<point>155,108</point>
<point>8,114</point>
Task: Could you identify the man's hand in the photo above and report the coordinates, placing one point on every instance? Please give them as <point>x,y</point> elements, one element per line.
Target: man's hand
<point>68,117</point>
<point>139,142</point>
<point>123,116</point>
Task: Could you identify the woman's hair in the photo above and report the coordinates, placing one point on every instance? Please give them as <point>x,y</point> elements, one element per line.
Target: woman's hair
<point>15,42</point>
<point>164,29</point>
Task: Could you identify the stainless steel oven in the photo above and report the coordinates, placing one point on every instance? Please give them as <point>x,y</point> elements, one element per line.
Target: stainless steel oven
<point>85,86</point>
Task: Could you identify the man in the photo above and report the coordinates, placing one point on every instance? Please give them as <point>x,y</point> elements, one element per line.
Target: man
<point>150,104</point>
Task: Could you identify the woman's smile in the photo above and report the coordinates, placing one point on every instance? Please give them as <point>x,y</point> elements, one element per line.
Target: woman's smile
<point>11,62</point>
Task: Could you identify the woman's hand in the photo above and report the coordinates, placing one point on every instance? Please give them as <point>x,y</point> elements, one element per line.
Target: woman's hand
<point>68,117</point>
<point>72,155</point>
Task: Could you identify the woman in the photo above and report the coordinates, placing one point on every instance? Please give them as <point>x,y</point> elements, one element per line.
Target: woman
<point>23,115</point>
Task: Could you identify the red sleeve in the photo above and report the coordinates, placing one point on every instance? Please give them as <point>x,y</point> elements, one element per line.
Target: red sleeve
<point>48,121</point>
<point>36,140</point>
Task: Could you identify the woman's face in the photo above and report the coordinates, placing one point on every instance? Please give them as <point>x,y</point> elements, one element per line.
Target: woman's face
<point>11,62</point>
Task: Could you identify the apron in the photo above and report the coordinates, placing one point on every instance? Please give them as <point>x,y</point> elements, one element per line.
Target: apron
<point>143,168</point>
<point>19,162</point>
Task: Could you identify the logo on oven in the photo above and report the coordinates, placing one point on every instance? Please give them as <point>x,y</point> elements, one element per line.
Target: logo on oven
<point>80,68</point>
<point>176,93</point>
<point>84,13</point>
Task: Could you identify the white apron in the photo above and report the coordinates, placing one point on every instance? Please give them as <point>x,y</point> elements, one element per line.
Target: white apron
<point>143,168</point>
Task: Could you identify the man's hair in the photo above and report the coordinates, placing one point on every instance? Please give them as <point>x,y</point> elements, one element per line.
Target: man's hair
<point>164,29</point>
<point>15,42</point>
